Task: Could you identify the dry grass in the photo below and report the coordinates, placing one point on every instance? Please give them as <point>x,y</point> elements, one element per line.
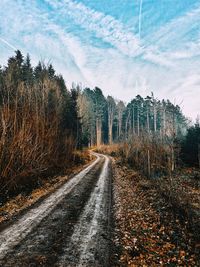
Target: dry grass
<point>147,154</point>
<point>31,139</point>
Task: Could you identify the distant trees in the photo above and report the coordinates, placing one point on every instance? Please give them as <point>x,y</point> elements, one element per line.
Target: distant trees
<point>147,127</point>
<point>112,120</point>
<point>93,114</point>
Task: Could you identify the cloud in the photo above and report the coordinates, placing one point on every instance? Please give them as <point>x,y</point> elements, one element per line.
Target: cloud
<point>96,49</point>
<point>8,44</point>
<point>178,32</point>
<point>103,26</point>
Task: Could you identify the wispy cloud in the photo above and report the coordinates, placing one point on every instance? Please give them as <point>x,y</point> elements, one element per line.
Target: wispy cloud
<point>140,19</point>
<point>8,44</point>
<point>176,33</point>
<point>103,26</point>
<point>89,46</point>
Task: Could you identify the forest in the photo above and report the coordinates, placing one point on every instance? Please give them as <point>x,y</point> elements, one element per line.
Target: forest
<point>39,121</point>
<point>149,132</point>
<point>43,123</point>
<point>147,159</point>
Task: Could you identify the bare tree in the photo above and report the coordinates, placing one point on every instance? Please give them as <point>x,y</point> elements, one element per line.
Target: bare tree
<point>111,112</point>
<point>120,110</point>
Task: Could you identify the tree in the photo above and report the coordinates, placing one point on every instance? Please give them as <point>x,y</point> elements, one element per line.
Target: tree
<point>39,122</point>
<point>139,103</point>
<point>111,113</point>
<point>27,71</point>
<point>190,146</point>
<point>51,71</point>
<point>100,108</point>
<point>120,111</point>
<point>74,117</point>
<point>148,101</point>
<point>13,71</point>
<point>154,113</point>
<point>86,114</point>
<point>38,71</point>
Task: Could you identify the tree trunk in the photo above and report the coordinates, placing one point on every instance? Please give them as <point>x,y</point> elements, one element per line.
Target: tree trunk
<point>110,128</point>
<point>119,125</point>
<point>98,131</point>
<point>138,122</point>
<point>173,159</point>
<point>126,126</point>
<point>148,121</point>
<point>155,118</point>
<point>133,121</point>
<point>164,122</point>
<point>149,163</point>
<point>110,134</point>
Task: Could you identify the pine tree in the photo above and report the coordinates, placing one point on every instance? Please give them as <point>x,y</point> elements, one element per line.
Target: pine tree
<point>190,147</point>
<point>27,71</point>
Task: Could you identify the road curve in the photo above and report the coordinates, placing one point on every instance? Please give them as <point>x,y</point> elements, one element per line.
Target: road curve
<point>69,228</point>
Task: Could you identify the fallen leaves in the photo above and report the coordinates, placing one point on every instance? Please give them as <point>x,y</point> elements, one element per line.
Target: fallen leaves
<point>147,233</point>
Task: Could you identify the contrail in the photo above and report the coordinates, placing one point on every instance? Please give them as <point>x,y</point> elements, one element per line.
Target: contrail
<point>8,44</point>
<point>140,18</point>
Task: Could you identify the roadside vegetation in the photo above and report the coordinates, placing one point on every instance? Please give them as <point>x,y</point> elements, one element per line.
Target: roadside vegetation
<point>39,124</point>
<point>157,203</point>
<point>44,126</point>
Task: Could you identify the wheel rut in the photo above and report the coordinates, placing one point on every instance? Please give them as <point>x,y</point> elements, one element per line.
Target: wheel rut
<point>75,230</point>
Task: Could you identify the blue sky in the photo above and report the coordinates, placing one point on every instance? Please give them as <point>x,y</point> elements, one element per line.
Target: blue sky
<point>125,47</point>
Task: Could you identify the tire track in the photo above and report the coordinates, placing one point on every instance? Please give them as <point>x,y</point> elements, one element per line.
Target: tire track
<point>89,243</point>
<point>58,232</point>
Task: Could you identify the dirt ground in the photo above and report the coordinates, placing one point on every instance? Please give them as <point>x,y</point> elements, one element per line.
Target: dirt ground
<point>147,230</point>
<point>106,215</point>
<point>71,227</point>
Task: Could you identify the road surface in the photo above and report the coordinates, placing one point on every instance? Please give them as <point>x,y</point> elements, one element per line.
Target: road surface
<point>69,228</point>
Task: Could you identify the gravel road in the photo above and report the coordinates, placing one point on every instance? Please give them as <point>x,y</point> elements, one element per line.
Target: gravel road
<point>69,228</point>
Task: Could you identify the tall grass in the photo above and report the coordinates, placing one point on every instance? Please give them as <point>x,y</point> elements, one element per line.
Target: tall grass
<point>147,153</point>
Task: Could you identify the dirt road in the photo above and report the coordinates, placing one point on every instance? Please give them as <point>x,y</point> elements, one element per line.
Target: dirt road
<point>69,228</point>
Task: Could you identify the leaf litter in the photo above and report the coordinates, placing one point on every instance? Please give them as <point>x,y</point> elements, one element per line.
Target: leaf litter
<point>147,232</point>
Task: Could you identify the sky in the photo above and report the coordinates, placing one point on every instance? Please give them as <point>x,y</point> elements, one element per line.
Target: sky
<point>125,47</point>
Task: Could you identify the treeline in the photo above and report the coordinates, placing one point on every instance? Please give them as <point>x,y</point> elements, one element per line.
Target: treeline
<point>105,120</point>
<point>38,121</point>
<point>148,129</point>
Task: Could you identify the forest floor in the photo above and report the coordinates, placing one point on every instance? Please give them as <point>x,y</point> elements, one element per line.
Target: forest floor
<point>156,225</point>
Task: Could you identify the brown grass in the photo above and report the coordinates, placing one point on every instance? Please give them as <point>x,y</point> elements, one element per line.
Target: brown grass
<point>145,153</point>
<point>31,139</point>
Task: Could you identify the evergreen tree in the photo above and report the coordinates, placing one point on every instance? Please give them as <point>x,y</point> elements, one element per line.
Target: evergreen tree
<point>38,71</point>
<point>191,146</point>
<point>51,71</point>
<point>27,71</point>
